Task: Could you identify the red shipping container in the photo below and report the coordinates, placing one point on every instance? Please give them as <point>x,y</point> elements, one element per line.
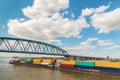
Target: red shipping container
<point>27,63</point>
<point>67,66</point>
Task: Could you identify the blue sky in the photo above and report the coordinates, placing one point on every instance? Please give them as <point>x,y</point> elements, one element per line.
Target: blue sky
<point>82,27</point>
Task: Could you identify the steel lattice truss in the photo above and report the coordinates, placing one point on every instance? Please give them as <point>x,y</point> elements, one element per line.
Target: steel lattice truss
<point>29,46</point>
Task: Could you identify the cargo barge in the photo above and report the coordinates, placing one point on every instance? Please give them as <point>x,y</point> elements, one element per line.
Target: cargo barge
<point>101,67</point>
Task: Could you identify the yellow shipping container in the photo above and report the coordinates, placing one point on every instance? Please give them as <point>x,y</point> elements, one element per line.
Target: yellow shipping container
<point>47,60</point>
<point>69,62</point>
<point>36,61</point>
<point>107,64</point>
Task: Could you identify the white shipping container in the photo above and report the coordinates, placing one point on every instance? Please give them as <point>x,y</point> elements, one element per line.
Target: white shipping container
<point>22,61</point>
<point>43,63</point>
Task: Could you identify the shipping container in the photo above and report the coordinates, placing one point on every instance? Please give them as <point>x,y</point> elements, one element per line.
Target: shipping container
<point>20,59</point>
<point>68,65</point>
<point>107,64</point>
<point>99,68</point>
<point>47,60</point>
<point>85,63</point>
<point>43,63</point>
<point>36,61</point>
<point>71,62</point>
<point>28,60</point>
<point>108,69</point>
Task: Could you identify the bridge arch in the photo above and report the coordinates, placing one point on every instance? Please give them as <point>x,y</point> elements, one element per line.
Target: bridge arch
<point>17,45</point>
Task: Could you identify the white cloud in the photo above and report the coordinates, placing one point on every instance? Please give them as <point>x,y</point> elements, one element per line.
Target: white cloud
<point>113,47</point>
<point>79,37</point>
<point>45,8</point>
<point>46,28</point>
<point>85,48</point>
<point>106,22</point>
<point>93,47</point>
<point>65,12</point>
<point>46,23</point>
<point>89,11</point>
<point>72,15</point>
<point>56,42</point>
<point>101,8</point>
<point>92,39</point>
<point>105,42</point>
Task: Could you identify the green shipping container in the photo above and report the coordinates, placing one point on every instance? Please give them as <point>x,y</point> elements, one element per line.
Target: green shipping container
<point>20,59</point>
<point>28,60</point>
<point>85,63</point>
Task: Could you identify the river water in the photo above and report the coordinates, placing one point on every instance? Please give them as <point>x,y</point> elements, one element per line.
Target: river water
<point>13,72</point>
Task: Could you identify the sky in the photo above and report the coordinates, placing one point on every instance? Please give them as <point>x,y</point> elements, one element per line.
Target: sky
<point>81,27</point>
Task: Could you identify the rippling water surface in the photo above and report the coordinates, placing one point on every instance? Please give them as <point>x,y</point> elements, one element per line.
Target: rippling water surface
<point>12,72</point>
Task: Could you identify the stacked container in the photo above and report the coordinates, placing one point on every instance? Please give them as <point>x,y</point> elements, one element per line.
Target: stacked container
<point>28,61</point>
<point>21,60</point>
<point>46,62</point>
<point>37,61</point>
<point>86,66</point>
<point>85,63</point>
<point>68,64</point>
<point>106,66</point>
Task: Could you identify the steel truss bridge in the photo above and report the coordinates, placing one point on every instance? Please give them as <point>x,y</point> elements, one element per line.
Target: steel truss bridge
<point>17,45</point>
<point>29,46</point>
